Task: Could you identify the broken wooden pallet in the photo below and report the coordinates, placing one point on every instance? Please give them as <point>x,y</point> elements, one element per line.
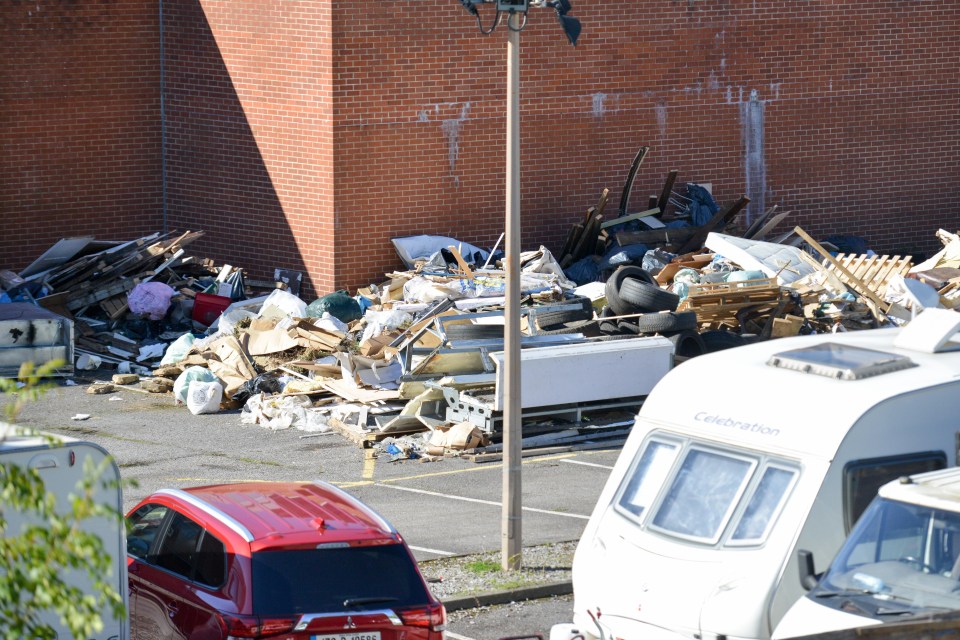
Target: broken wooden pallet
<point>718,302</point>
<point>874,271</point>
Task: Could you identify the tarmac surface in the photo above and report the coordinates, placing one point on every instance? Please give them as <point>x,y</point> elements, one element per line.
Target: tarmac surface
<point>451,507</point>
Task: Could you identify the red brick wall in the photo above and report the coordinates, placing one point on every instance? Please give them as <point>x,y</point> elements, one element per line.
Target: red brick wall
<point>79,125</point>
<point>305,135</point>
<point>857,104</point>
<point>249,129</point>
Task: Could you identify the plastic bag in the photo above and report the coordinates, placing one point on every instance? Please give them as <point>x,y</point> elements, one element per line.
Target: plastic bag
<point>178,349</point>
<point>283,304</point>
<point>228,319</point>
<point>181,385</point>
<point>656,259</point>
<point>263,383</point>
<point>204,397</point>
<point>381,321</point>
<point>617,255</point>
<point>328,322</point>
<point>338,304</point>
<point>151,299</point>
<point>283,412</point>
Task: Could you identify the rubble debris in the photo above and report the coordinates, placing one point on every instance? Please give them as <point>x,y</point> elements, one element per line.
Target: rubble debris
<point>99,389</point>
<point>126,378</point>
<point>157,385</point>
<point>410,368</point>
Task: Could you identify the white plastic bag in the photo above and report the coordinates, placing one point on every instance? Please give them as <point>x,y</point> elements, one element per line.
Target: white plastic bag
<point>380,321</point>
<point>181,385</point>
<point>178,349</point>
<point>283,303</point>
<point>204,397</point>
<point>229,319</point>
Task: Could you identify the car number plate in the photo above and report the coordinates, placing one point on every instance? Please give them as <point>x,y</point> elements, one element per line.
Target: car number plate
<point>349,635</point>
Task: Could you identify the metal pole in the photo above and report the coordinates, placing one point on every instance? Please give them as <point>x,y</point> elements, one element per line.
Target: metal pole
<point>511,539</point>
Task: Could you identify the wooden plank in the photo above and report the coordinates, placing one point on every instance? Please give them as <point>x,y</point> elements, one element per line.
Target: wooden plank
<point>892,267</point>
<point>757,224</point>
<point>631,176</point>
<point>877,306</point>
<point>102,293</point>
<point>464,267</point>
<point>873,267</point>
<point>629,218</point>
<point>655,236</point>
<point>874,271</point>
<point>667,190</point>
<point>770,225</point>
<point>719,220</point>
<point>569,242</point>
<point>588,239</point>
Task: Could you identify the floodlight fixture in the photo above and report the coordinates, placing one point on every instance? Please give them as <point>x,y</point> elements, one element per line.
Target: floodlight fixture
<point>468,5</point>
<point>569,24</point>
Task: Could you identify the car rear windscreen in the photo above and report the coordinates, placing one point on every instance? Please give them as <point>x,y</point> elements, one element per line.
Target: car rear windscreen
<point>335,579</point>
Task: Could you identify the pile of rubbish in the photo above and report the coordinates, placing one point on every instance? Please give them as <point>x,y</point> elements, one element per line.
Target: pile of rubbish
<point>412,367</point>
<point>125,301</point>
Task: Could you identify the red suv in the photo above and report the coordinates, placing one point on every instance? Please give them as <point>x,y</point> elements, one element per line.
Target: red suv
<point>280,560</point>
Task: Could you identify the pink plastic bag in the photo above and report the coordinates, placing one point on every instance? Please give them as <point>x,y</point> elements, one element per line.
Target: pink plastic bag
<point>151,299</point>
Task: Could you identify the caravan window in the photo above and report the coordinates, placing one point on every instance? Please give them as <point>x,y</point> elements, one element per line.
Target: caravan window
<point>702,494</point>
<point>764,505</point>
<point>646,478</point>
<point>863,478</point>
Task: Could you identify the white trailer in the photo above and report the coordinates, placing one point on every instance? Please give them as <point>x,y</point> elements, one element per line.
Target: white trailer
<point>61,466</point>
<point>741,459</point>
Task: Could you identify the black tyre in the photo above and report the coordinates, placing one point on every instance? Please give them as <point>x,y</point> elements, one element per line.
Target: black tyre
<point>614,303</point>
<point>586,327</point>
<point>609,327</point>
<point>628,327</point>
<point>648,297</point>
<point>687,344</point>
<point>718,340</point>
<point>611,288</point>
<point>666,322</point>
<point>545,319</point>
<point>631,271</point>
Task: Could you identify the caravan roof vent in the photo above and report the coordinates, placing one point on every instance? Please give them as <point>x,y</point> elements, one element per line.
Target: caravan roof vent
<point>840,361</point>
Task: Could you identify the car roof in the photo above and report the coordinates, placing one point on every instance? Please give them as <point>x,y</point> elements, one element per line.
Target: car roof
<point>289,512</point>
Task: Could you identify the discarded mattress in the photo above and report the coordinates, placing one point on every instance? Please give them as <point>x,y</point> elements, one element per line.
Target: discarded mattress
<point>775,260</point>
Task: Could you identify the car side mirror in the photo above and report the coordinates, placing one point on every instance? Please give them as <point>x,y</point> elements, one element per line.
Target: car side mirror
<point>808,575</point>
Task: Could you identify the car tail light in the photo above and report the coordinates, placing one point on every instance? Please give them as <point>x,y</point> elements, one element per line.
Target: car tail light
<point>433,617</point>
<point>254,627</point>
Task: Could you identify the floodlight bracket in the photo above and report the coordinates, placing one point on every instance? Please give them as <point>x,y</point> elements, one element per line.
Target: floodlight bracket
<point>513,6</point>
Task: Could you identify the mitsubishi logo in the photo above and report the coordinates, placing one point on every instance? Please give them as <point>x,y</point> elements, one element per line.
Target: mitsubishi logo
<point>350,623</point>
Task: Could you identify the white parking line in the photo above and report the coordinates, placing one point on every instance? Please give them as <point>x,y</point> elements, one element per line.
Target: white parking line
<point>456,636</point>
<point>587,464</point>
<point>490,502</point>
<point>433,551</point>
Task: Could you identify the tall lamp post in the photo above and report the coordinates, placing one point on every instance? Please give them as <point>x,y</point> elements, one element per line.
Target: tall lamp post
<point>516,19</point>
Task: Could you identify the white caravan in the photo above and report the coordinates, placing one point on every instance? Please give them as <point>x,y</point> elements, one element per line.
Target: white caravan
<point>901,562</point>
<point>743,461</point>
<point>62,467</point>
